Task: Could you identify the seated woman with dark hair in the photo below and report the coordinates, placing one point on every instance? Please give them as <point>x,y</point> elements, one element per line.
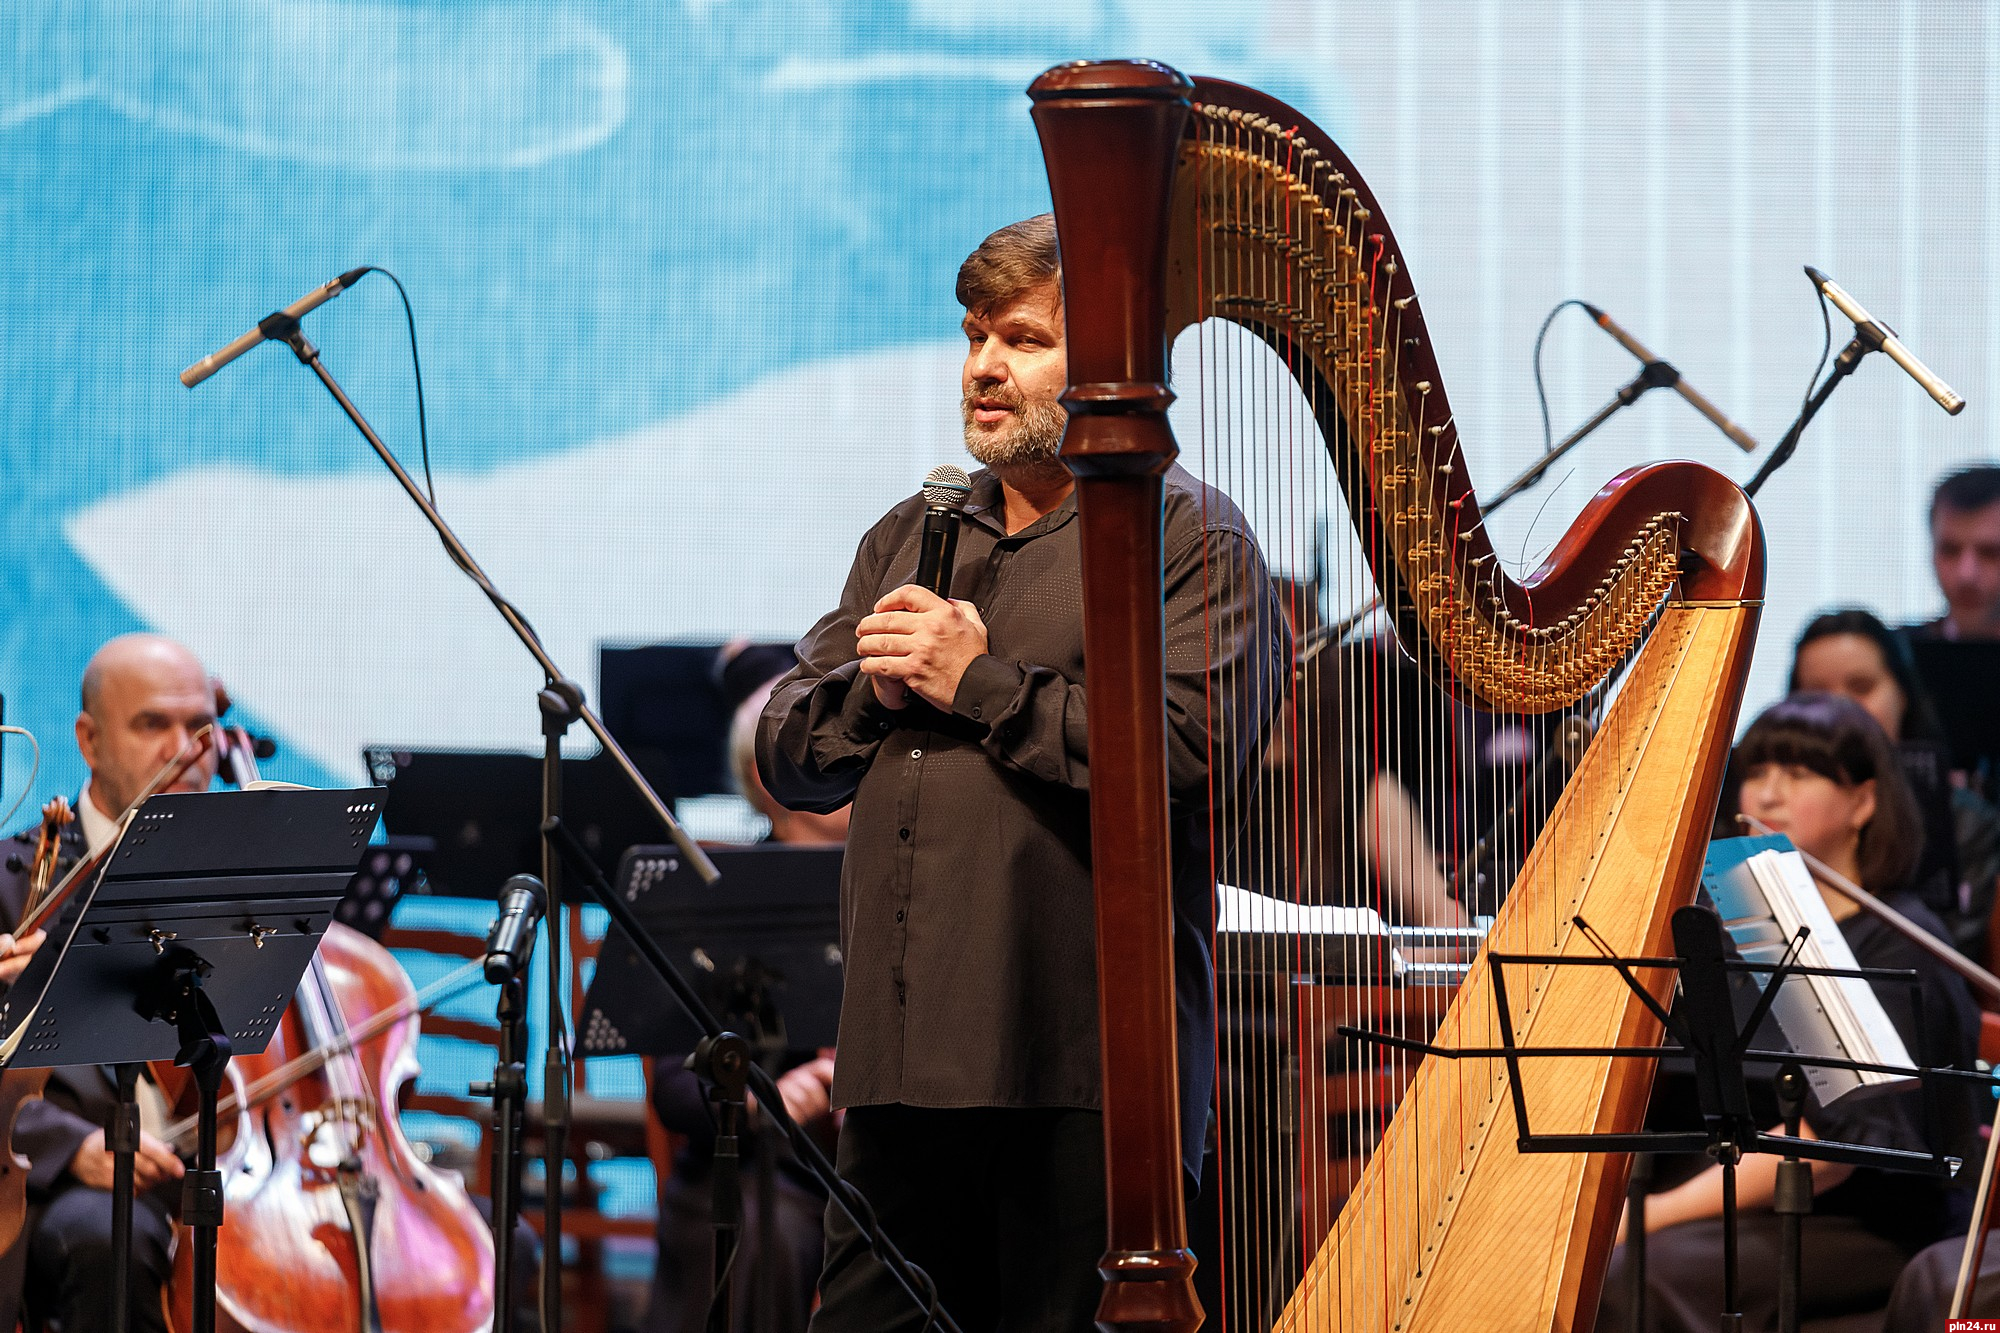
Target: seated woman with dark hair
<point>1817,768</point>
<point>1852,652</point>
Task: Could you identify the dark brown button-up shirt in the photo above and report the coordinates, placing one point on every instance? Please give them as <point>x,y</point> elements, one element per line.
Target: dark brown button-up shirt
<point>966,909</point>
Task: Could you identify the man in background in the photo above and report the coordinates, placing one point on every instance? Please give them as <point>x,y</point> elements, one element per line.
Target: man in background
<point>1965,555</point>
<point>776,1269</point>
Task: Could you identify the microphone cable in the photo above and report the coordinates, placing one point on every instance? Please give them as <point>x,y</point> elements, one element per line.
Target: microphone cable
<point>493,594</point>
<point>1541,390</point>
<point>1826,347</point>
<point>417,371</point>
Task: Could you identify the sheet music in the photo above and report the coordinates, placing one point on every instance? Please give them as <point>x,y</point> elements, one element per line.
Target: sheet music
<point>1850,1003</point>
<point>1243,912</point>
<point>1765,897</point>
<point>1239,911</point>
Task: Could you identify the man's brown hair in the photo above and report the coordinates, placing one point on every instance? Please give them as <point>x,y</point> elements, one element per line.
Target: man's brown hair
<point>1967,490</point>
<point>1018,258</point>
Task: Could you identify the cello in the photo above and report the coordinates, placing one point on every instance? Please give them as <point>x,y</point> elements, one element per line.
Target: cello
<point>333,1222</point>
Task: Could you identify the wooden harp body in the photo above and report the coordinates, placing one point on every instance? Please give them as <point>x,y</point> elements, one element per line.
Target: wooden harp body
<point>1181,201</point>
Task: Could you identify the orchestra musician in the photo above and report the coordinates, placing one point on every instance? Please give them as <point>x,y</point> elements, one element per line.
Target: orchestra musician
<point>1817,768</point>
<point>1852,652</point>
<point>1965,555</point>
<point>968,1036</point>
<point>776,1270</point>
<point>143,697</point>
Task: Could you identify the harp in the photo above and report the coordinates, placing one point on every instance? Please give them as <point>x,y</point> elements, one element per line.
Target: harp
<point>1189,204</point>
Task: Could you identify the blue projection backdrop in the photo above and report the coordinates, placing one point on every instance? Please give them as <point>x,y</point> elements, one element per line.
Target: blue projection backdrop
<point>683,272</point>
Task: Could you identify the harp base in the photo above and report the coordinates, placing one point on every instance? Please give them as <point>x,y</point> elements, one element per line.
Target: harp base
<point>1148,1290</point>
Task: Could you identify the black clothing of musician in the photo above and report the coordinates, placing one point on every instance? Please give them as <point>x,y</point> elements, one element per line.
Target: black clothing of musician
<point>779,1248</point>
<point>966,906</point>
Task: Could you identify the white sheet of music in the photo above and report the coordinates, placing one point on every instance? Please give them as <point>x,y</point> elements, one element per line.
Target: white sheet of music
<point>1859,1027</point>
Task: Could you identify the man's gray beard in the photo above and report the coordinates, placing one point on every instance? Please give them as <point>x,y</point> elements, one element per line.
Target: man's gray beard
<point>1034,436</point>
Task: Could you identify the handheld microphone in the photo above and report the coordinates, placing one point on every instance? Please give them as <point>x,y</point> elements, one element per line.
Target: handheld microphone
<point>1873,329</point>
<point>947,488</point>
<point>512,937</point>
<point>1673,378</point>
<point>271,326</point>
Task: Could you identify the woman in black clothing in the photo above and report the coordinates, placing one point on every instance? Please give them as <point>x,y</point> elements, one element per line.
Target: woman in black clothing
<point>1853,653</point>
<point>1817,768</point>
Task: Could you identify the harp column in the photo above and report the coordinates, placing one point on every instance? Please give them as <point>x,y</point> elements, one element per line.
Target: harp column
<point>1110,133</point>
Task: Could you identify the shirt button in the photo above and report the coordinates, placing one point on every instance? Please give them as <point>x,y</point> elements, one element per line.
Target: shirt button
<point>904,834</point>
<point>916,754</point>
<point>975,710</point>
<point>899,915</point>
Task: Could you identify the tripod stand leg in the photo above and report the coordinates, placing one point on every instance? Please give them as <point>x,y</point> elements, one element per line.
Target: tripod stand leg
<point>1638,1185</point>
<point>121,1136</point>
<point>205,1052</point>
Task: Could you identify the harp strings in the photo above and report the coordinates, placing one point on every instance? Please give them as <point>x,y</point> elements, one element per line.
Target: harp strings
<point>1362,769</point>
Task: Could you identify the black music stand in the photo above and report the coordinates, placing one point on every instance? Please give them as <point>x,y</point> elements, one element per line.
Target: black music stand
<point>1707,1030</point>
<point>763,947</point>
<point>187,946</point>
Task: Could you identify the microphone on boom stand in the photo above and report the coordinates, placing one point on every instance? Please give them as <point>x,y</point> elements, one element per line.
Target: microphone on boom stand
<point>277,325</point>
<point>1653,374</point>
<point>1665,376</point>
<point>1870,335</point>
<point>1885,340</point>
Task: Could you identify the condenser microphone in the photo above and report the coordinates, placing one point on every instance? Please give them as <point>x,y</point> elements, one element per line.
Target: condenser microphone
<point>946,490</point>
<point>1670,378</point>
<point>276,325</point>
<point>1871,329</point>
<point>512,937</point>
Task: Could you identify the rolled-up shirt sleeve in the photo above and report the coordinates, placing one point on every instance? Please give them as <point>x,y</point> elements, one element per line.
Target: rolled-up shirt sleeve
<point>823,723</point>
<point>1226,645</point>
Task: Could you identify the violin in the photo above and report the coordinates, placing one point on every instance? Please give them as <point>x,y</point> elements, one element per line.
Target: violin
<point>20,1086</point>
<point>333,1223</point>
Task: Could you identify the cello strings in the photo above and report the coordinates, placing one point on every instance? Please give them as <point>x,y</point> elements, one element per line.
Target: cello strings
<point>262,1089</point>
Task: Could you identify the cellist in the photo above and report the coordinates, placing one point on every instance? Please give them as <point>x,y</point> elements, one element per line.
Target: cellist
<point>143,698</point>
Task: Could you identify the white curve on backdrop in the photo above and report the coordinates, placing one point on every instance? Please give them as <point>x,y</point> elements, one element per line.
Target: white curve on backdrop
<point>352,627</point>
<point>329,82</point>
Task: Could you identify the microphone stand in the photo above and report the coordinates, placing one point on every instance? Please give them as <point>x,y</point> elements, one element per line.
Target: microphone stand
<point>1652,375</point>
<point>1867,338</point>
<point>509,1091</point>
<point>561,704</point>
